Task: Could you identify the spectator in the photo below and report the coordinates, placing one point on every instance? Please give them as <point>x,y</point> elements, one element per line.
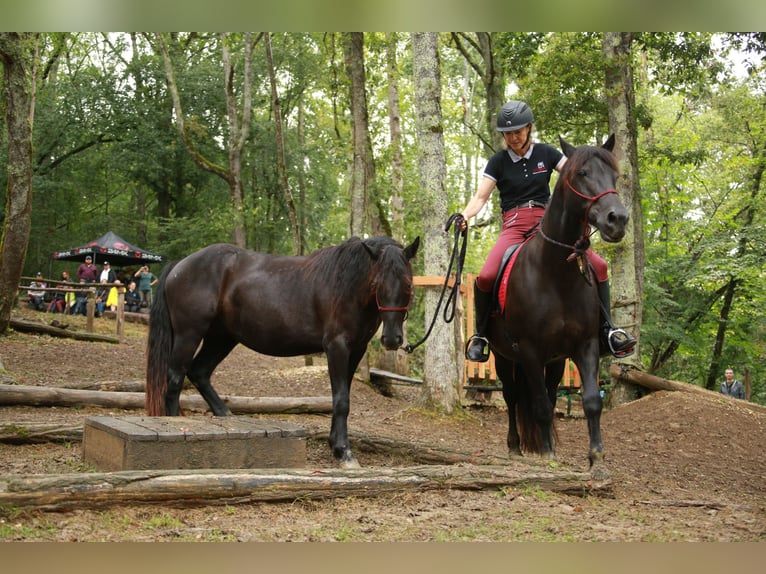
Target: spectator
<point>107,274</point>
<point>132,299</point>
<point>101,294</point>
<point>81,301</point>
<point>87,272</point>
<point>146,280</point>
<point>113,296</point>
<point>731,386</point>
<point>37,292</point>
<point>58,304</point>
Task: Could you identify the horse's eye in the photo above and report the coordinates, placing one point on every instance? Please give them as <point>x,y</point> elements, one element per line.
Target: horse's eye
<point>582,173</point>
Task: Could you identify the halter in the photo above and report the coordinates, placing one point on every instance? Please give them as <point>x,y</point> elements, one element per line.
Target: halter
<point>403,309</point>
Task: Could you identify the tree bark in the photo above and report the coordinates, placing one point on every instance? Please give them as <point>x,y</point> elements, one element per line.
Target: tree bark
<point>443,361</point>
<point>627,263</point>
<point>58,396</point>
<point>195,487</point>
<point>362,173</point>
<point>18,99</point>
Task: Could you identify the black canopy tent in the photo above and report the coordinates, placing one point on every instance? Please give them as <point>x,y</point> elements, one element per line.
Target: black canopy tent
<point>109,247</point>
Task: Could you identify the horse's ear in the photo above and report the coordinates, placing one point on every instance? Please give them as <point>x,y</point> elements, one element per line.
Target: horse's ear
<point>609,144</point>
<point>369,250</point>
<point>566,147</point>
<point>412,248</point>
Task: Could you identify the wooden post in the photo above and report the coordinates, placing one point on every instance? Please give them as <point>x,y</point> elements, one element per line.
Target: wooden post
<point>121,313</point>
<point>90,310</point>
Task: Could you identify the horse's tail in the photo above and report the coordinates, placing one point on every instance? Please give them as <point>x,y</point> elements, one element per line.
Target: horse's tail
<point>158,348</point>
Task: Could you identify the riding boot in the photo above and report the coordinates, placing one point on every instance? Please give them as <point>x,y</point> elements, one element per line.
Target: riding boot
<point>477,347</point>
<point>612,340</point>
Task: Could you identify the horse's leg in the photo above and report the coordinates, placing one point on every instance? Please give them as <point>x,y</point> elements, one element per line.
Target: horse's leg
<point>505,371</point>
<point>181,357</point>
<point>592,405</point>
<point>215,349</point>
<point>543,412</point>
<point>341,364</point>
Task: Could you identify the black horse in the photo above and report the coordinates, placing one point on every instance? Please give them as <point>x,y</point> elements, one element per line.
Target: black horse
<point>551,309</point>
<point>332,301</point>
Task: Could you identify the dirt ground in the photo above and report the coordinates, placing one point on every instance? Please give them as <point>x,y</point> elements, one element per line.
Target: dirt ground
<point>684,467</point>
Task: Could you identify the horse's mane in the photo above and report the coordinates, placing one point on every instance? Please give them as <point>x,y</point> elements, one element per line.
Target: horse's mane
<point>582,155</point>
<point>344,267</point>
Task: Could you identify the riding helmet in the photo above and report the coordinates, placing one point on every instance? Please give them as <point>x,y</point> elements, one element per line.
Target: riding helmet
<point>513,116</point>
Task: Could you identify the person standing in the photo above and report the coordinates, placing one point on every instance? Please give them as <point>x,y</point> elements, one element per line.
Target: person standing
<point>731,386</point>
<point>87,272</point>
<point>107,274</point>
<point>522,172</point>
<point>146,280</point>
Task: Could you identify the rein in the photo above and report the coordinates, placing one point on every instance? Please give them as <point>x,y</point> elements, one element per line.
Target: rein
<point>583,243</point>
<point>458,258</point>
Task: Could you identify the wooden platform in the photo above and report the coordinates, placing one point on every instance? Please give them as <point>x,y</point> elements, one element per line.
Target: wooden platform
<point>143,443</point>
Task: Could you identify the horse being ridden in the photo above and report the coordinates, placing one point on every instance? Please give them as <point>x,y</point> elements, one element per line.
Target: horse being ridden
<point>551,307</point>
<point>331,301</point>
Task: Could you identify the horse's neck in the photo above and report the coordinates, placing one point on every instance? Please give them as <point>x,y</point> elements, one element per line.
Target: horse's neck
<point>560,224</point>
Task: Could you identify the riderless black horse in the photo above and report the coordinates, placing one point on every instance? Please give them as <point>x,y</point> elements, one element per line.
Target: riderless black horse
<point>332,301</point>
<point>551,308</point>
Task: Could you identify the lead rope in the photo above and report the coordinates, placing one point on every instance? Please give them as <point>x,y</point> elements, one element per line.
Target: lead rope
<point>457,258</point>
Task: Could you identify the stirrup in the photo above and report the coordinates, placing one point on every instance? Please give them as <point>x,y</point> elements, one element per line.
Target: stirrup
<point>472,344</point>
<point>620,343</point>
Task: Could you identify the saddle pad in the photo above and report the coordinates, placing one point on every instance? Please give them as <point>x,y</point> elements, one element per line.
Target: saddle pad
<point>506,274</point>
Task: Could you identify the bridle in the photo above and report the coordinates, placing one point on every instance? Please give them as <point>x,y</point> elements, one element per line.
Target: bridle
<point>583,243</point>
<point>404,309</point>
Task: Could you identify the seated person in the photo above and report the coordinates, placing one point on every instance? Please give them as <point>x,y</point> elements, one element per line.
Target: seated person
<point>113,297</point>
<point>132,299</point>
<point>80,301</point>
<point>37,292</point>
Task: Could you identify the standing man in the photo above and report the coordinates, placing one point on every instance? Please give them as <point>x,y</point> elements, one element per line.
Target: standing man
<point>87,272</point>
<point>107,274</point>
<point>732,387</point>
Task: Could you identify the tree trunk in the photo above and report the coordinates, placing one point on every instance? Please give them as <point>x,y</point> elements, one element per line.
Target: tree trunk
<point>18,99</point>
<point>627,264</point>
<point>443,361</point>
<point>395,361</point>
<point>361,173</point>
<point>192,487</point>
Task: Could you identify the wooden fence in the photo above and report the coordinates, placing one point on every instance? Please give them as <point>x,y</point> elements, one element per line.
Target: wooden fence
<point>483,376</point>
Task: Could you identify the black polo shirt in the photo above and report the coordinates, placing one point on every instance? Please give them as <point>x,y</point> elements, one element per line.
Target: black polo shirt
<point>526,179</point>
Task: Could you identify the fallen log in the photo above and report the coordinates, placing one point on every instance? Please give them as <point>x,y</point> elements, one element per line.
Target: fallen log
<point>57,396</point>
<point>117,386</point>
<point>129,317</point>
<point>34,433</point>
<point>34,327</point>
<point>652,382</point>
<point>195,487</point>
<point>418,452</point>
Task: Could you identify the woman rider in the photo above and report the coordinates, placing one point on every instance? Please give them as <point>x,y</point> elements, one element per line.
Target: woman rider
<point>522,173</point>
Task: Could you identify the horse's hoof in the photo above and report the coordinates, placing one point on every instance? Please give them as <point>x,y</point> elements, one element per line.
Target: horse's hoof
<point>350,462</point>
<point>599,472</point>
